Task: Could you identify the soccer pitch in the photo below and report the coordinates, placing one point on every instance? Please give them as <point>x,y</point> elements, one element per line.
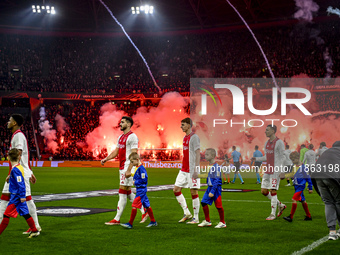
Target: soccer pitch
<point>247,230</point>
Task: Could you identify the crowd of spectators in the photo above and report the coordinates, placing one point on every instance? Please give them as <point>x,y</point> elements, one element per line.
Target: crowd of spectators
<point>112,65</point>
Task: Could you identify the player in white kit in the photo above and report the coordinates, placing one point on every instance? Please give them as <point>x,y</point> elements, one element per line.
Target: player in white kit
<point>274,155</point>
<point>310,157</point>
<point>126,144</point>
<point>19,142</point>
<point>188,175</point>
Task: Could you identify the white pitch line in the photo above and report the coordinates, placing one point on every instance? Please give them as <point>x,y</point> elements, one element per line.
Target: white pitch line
<point>311,246</point>
<point>231,200</point>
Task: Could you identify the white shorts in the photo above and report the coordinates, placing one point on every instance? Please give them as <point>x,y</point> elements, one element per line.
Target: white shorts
<point>270,181</point>
<point>123,180</point>
<point>183,180</point>
<point>27,185</point>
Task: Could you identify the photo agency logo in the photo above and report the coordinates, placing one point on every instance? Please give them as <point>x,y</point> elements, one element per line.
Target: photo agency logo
<point>290,97</point>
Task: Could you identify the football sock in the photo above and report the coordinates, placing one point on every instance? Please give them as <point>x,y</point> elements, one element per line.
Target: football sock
<point>3,205</point>
<point>274,204</point>
<point>234,177</point>
<point>294,206</point>
<point>288,181</point>
<point>150,212</point>
<point>221,213</point>
<point>196,206</point>
<point>239,175</point>
<point>228,175</point>
<point>258,177</point>
<point>305,207</point>
<point>4,224</point>
<point>33,211</point>
<point>133,215</point>
<point>206,212</point>
<point>121,204</point>
<point>182,202</point>
<point>30,223</point>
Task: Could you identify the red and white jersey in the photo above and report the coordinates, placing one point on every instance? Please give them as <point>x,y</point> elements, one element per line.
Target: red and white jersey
<point>191,143</point>
<point>126,142</point>
<point>19,142</point>
<point>274,155</point>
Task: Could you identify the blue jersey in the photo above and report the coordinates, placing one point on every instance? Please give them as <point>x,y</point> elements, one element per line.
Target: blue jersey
<point>16,182</point>
<point>214,177</point>
<point>236,156</point>
<point>301,177</point>
<point>141,178</point>
<point>258,154</point>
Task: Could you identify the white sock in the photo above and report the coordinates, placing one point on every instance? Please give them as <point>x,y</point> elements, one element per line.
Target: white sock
<point>183,203</point>
<point>196,206</point>
<point>269,196</point>
<point>33,212</point>
<point>274,204</point>
<point>3,206</point>
<point>131,197</point>
<point>121,206</point>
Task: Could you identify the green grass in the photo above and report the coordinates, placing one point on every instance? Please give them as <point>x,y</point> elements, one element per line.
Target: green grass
<point>247,230</point>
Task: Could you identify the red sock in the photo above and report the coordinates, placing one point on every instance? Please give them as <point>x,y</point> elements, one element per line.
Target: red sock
<point>31,223</point>
<point>150,212</point>
<point>305,207</point>
<point>206,213</point>
<point>294,205</point>
<point>4,224</point>
<point>133,215</point>
<point>221,213</point>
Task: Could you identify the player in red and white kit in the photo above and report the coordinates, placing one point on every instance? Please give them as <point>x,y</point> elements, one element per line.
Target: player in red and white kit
<point>188,175</point>
<point>274,155</point>
<point>126,144</point>
<point>19,142</point>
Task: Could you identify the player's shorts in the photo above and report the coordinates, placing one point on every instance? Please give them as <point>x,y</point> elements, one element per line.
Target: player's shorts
<point>27,186</point>
<point>15,207</point>
<point>183,180</point>
<point>257,166</point>
<point>237,167</point>
<point>141,199</point>
<point>216,198</point>
<point>123,180</point>
<point>299,196</point>
<point>270,181</point>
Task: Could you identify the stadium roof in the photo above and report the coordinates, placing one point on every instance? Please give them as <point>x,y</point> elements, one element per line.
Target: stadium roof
<point>91,16</point>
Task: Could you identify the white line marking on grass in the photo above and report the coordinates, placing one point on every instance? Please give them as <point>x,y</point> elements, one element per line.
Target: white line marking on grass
<point>232,200</point>
<point>311,246</point>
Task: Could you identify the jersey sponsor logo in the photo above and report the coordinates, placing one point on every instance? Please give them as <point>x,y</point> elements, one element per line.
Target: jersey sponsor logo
<point>185,147</point>
<point>269,151</point>
<point>121,146</point>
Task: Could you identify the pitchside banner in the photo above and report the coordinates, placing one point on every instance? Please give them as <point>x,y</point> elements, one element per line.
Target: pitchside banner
<point>235,112</point>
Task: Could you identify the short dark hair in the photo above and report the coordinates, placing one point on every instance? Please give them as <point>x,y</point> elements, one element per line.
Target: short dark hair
<point>294,154</point>
<point>323,143</point>
<point>311,146</point>
<point>18,119</point>
<point>212,150</point>
<point>256,147</point>
<point>133,156</point>
<point>187,120</point>
<point>273,127</point>
<point>234,147</point>
<point>128,119</point>
<point>287,146</point>
<point>14,154</point>
<point>302,145</point>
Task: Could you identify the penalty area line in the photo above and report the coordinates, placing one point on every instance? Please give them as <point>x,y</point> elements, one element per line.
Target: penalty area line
<point>311,246</point>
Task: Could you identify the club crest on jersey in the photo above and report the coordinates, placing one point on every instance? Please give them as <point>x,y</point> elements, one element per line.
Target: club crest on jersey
<point>143,175</point>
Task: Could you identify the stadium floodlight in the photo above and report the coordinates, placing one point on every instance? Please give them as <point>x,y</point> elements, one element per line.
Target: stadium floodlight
<point>43,7</point>
<point>33,6</point>
<point>142,8</point>
<point>138,12</point>
<point>48,11</point>
<point>39,11</point>
<point>132,8</point>
<point>52,11</point>
<point>47,7</point>
<point>52,7</point>
<point>133,12</point>
<point>38,6</point>
<point>151,9</point>
<point>34,10</point>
